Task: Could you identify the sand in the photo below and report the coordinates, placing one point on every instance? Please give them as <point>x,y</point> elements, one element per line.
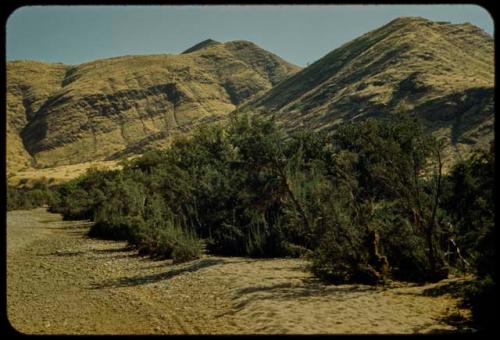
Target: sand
<point>61,282</point>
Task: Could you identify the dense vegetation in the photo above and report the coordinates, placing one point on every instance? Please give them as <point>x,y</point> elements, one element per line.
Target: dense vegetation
<point>470,205</point>
<point>366,203</point>
<point>40,193</point>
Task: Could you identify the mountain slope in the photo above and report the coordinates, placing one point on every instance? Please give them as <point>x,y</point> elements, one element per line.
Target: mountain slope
<point>29,84</point>
<point>441,72</point>
<point>97,110</point>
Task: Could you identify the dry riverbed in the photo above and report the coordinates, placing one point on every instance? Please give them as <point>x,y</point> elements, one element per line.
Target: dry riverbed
<point>61,282</point>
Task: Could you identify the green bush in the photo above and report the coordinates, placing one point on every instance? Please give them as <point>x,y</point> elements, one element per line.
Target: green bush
<point>22,198</point>
<point>470,204</point>
<point>265,240</point>
<point>188,247</point>
<point>481,297</point>
<point>365,202</point>
<point>168,242</point>
<point>342,256</point>
<point>405,250</point>
<point>113,227</point>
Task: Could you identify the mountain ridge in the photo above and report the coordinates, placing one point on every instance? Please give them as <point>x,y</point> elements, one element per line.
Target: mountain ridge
<point>441,72</point>
<point>104,106</point>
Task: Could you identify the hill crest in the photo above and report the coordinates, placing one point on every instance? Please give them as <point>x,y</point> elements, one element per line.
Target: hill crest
<point>66,114</point>
<point>441,72</point>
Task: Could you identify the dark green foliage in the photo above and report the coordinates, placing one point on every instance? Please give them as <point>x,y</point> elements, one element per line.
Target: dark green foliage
<point>471,206</point>
<point>112,226</point>
<point>365,203</point>
<point>385,191</point>
<point>80,198</point>
<point>38,195</point>
<point>188,247</point>
<point>404,246</point>
<point>481,297</point>
<point>167,241</point>
<point>341,255</point>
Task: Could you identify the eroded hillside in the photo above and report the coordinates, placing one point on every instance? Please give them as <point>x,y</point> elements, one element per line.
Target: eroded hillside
<point>105,109</point>
<point>441,72</point>
<point>59,114</point>
<point>29,84</point>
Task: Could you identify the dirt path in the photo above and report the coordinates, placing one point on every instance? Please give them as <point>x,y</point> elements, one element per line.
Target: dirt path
<point>61,282</point>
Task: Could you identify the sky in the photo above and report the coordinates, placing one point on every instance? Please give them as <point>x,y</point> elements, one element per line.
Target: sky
<point>300,34</point>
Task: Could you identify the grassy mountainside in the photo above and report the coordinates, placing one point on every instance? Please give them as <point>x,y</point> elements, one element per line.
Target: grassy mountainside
<point>62,114</point>
<point>441,72</point>
<point>59,114</point>
<point>29,84</point>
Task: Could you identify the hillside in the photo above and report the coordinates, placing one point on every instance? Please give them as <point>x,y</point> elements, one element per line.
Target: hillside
<point>60,114</point>
<point>102,110</point>
<point>441,72</point>
<point>29,84</point>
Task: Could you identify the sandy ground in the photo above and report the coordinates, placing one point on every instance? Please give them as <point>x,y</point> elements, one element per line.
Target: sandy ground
<point>61,282</point>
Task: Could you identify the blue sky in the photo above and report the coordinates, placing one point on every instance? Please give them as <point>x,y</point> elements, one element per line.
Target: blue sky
<point>300,34</point>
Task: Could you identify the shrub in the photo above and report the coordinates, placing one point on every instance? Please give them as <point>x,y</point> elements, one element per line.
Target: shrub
<point>342,258</point>
<point>365,202</point>
<point>405,250</point>
<point>168,242</point>
<point>264,240</point>
<point>481,296</point>
<point>114,227</point>
<point>188,247</point>
<point>28,198</point>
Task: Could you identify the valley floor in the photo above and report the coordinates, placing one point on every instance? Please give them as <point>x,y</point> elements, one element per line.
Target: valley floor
<point>61,282</point>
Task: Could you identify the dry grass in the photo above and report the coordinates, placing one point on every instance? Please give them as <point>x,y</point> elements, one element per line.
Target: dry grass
<point>59,174</point>
<point>441,72</point>
<point>91,111</point>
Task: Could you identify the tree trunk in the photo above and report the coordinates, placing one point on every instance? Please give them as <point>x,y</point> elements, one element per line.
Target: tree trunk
<point>377,261</point>
<point>438,271</point>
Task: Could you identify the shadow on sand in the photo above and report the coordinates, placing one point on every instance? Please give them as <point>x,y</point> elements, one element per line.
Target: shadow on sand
<point>140,280</point>
<point>289,291</point>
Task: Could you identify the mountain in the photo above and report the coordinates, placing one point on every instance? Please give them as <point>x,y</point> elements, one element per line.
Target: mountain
<point>440,72</point>
<point>68,114</point>
<point>65,114</point>
<point>29,84</point>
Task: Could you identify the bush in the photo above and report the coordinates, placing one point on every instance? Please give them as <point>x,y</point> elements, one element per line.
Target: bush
<point>265,240</point>
<point>168,242</point>
<point>380,172</point>
<point>481,297</point>
<point>342,258</point>
<point>114,227</point>
<point>364,203</point>
<point>405,251</point>
<point>187,248</point>
<point>22,198</point>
